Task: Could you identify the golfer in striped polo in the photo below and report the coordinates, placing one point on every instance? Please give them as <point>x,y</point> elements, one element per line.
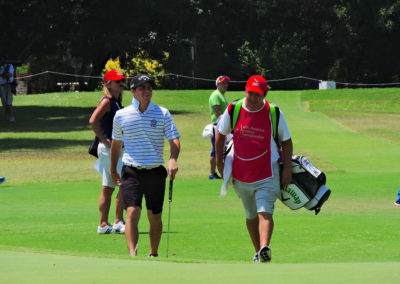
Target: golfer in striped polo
<point>141,128</point>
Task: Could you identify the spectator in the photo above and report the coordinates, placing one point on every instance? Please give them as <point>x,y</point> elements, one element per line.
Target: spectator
<point>102,122</point>
<point>141,128</point>
<point>217,104</point>
<point>397,202</point>
<point>6,78</point>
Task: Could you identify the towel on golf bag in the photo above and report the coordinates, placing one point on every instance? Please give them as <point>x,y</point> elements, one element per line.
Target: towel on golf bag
<point>208,131</point>
<point>228,162</point>
<point>307,188</point>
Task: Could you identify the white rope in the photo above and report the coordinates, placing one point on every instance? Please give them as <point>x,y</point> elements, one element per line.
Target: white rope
<point>212,80</point>
<point>30,76</point>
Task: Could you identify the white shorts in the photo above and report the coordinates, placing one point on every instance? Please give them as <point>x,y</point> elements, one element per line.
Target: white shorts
<point>6,95</point>
<point>259,196</point>
<point>104,154</point>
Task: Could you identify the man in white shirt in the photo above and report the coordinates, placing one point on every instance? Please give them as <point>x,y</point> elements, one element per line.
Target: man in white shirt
<point>141,128</point>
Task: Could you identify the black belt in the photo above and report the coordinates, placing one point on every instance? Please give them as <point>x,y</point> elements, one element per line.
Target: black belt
<point>142,167</point>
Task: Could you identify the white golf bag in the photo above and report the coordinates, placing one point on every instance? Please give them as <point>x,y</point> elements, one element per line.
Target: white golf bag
<point>307,188</point>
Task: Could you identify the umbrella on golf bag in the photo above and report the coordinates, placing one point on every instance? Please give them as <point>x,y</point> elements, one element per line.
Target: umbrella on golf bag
<point>307,188</point>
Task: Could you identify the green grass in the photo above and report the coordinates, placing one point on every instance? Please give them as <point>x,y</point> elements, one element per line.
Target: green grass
<point>49,202</point>
<point>67,269</point>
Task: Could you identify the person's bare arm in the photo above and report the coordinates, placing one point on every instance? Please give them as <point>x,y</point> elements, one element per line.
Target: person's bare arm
<point>287,151</point>
<point>219,152</point>
<point>217,110</point>
<point>116,146</point>
<point>94,121</point>
<point>175,148</point>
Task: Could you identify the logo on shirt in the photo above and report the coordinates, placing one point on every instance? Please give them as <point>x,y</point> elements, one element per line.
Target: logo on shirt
<point>153,123</point>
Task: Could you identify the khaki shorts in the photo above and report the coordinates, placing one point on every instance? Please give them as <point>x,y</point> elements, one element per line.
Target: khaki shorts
<point>259,196</point>
<point>6,95</point>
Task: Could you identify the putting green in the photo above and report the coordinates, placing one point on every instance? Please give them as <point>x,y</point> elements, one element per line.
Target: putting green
<point>23,267</point>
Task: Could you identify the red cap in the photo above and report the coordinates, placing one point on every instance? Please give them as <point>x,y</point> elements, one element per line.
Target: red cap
<point>222,79</point>
<point>257,84</point>
<point>113,75</point>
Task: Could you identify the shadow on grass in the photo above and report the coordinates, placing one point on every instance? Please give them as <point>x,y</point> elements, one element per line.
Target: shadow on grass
<point>11,144</point>
<point>49,119</point>
<point>54,119</point>
<point>181,112</point>
<point>146,233</point>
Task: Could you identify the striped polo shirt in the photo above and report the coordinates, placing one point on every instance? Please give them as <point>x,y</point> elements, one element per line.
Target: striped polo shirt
<point>143,133</point>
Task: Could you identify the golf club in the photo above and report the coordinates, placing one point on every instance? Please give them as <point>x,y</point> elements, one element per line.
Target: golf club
<point>171,182</point>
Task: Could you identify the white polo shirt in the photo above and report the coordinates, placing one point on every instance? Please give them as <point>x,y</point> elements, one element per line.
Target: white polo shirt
<point>143,133</point>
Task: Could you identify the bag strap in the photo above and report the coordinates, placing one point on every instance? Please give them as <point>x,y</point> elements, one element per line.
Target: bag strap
<point>234,112</point>
<point>275,115</point>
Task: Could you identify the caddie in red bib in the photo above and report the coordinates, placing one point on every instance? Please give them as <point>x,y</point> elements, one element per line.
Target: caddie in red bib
<point>252,140</point>
<point>257,143</point>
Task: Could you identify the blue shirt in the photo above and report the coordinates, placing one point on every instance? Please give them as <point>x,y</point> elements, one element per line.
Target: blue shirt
<point>3,80</point>
<point>143,133</point>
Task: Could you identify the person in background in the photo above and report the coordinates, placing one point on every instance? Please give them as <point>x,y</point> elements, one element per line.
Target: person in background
<point>102,123</point>
<point>217,105</point>
<point>255,169</point>
<point>3,179</point>
<point>397,202</point>
<point>141,128</point>
<point>6,78</point>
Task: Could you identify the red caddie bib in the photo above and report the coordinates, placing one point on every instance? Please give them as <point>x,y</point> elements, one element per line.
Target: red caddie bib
<point>252,140</point>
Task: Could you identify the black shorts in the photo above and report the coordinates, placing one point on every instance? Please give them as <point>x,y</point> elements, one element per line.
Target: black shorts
<point>151,183</point>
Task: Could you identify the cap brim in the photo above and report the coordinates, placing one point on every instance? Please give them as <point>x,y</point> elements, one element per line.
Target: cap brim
<point>255,90</point>
<point>141,83</point>
<point>115,78</point>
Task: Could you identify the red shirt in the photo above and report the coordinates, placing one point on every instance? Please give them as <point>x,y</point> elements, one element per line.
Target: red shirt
<point>252,140</point>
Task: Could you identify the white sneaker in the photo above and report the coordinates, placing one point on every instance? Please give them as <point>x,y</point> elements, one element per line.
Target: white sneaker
<point>107,229</point>
<point>256,258</point>
<point>119,228</point>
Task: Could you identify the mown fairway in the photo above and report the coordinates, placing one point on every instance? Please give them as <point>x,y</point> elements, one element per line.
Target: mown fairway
<point>49,215</point>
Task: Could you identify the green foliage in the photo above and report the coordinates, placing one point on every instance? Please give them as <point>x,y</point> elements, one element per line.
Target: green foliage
<point>141,63</point>
<point>113,64</point>
<point>348,41</point>
<point>250,60</point>
<point>23,69</point>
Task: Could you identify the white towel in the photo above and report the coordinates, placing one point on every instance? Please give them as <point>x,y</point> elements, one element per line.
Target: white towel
<point>227,172</point>
<point>208,131</point>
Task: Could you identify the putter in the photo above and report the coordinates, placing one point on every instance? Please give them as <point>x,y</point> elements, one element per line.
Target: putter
<point>171,182</point>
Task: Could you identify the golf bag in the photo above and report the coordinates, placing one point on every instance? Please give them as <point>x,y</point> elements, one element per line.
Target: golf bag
<point>307,188</point>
